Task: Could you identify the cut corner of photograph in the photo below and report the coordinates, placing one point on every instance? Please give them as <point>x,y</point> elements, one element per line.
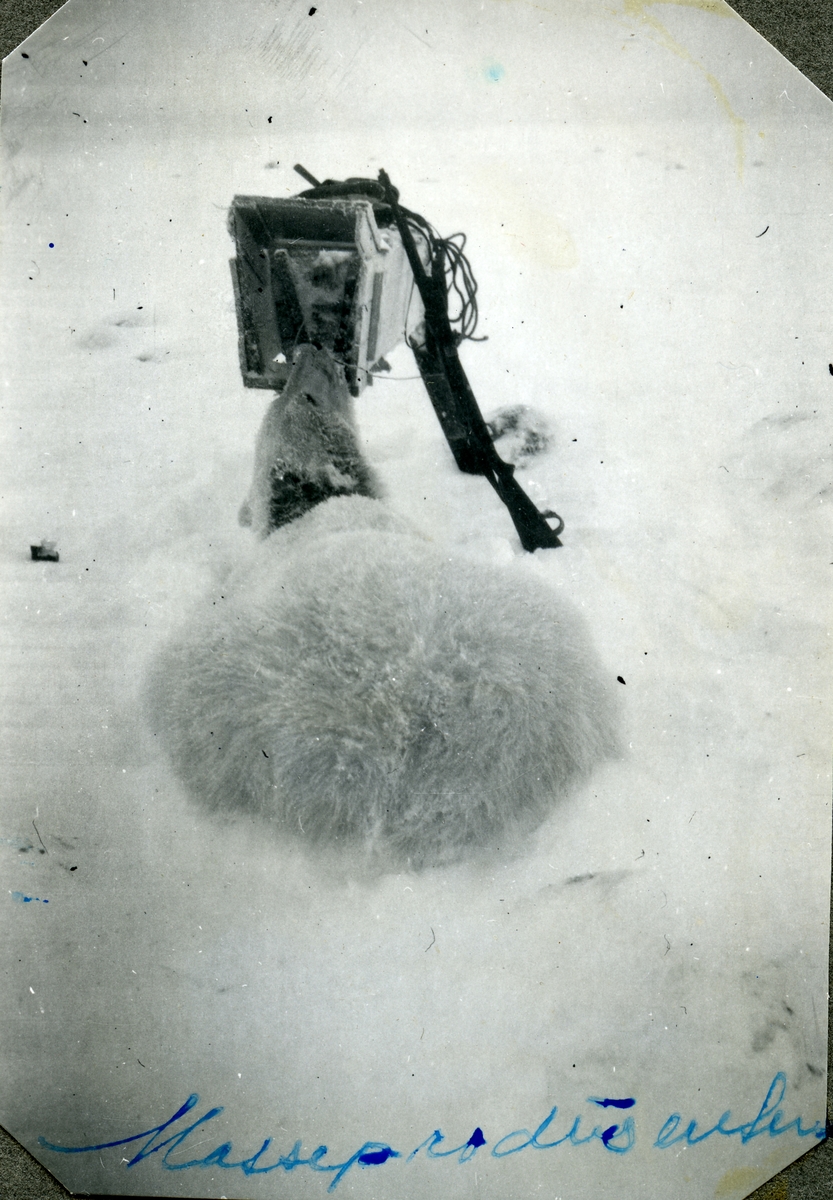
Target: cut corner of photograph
<point>415,565</point>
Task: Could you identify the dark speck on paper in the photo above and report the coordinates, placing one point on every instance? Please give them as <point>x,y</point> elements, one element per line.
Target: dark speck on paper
<point>620,679</point>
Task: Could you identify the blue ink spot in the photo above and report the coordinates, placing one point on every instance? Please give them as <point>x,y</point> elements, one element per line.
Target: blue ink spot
<point>375,1158</point>
<point>495,72</point>
<point>610,1133</point>
<point>477,1139</point>
<point>22,898</point>
<point>628,1103</point>
<point>51,245</point>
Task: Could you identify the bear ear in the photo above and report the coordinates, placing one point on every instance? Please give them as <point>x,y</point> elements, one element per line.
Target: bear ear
<point>244,514</point>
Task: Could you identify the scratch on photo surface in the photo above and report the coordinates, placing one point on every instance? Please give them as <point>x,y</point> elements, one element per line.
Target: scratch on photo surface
<point>416,35</point>
<point>605,880</point>
<point>293,48</point>
<point>40,839</point>
<point>547,8</point>
<point>110,45</point>
<point>639,8</point>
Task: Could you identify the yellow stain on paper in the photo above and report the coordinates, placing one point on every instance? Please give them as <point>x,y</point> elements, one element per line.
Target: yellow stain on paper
<point>541,234</point>
<point>530,228</point>
<point>639,8</point>
<point>742,1179</point>
<point>713,6</point>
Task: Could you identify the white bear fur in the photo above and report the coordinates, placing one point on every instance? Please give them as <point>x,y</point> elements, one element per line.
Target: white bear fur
<point>359,690</point>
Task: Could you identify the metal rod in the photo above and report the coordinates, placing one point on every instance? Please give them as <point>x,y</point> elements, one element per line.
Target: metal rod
<point>304,173</point>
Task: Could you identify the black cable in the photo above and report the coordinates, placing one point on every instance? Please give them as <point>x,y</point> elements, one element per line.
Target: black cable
<point>460,278</point>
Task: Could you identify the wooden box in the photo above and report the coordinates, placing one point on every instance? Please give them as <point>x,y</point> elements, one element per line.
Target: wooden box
<point>332,272</point>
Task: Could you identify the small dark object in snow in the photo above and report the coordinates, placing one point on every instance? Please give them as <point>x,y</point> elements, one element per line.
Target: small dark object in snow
<point>519,433</point>
<point>619,679</point>
<point>45,552</point>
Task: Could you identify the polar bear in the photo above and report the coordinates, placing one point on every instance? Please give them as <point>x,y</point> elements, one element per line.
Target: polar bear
<point>356,689</point>
<point>306,449</point>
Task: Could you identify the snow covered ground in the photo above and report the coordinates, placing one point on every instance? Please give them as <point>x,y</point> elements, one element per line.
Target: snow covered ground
<point>654,271</point>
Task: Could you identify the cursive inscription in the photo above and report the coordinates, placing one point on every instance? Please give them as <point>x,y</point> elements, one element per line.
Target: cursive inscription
<point>769,1122</point>
<point>551,1133</point>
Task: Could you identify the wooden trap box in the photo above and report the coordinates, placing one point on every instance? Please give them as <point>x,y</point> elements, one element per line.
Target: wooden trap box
<point>332,272</point>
